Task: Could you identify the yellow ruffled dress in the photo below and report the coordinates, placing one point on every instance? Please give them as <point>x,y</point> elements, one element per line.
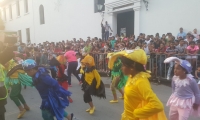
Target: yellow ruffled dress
<point>140,102</point>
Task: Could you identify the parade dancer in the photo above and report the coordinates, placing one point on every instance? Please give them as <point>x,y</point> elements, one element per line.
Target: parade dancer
<point>3,93</point>
<point>15,79</point>
<point>61,77</point>
<point>6,54</point>
<point>70,55</point>
<point>140,102</point>
<point>54,97</point>
<point>118,80</point>
<point>92,84</point>
<point>185,96</point>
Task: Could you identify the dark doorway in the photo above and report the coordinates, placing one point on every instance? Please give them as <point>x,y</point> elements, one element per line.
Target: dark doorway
<point>125,20</point>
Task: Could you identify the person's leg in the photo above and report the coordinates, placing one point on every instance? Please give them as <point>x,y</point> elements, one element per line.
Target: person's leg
<point>22,100</point>
<point>113,89</point>
<point>184,113</point>
<point>68,116</point>
<point>46,115</point>
<point>106,35</point>
<point>122,93</point>
<point>69,72</point>
<point>2,116</point>
<point>88,99</point>
<point>75,64</point>
<point>173,113</point>
<point>103,36</point>
<point>15,96</point>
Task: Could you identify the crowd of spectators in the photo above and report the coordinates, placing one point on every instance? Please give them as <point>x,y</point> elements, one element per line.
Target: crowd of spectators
<point>157,47</point>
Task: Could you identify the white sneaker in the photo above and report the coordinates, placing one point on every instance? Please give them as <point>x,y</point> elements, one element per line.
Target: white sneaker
<point>168,78</point>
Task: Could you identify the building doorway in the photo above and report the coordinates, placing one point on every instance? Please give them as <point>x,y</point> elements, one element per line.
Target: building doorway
<point>125,23</point>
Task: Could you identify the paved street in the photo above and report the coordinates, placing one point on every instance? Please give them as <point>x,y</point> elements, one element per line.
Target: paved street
<point>104,110</point>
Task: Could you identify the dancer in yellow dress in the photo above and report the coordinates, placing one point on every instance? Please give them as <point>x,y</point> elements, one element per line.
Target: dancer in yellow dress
<point>140,102</point>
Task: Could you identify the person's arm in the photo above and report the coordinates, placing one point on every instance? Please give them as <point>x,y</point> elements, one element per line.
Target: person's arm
<point>195,89</point>
<point>97,77</point>
<point>110,28</point>
<point>197,50</point>
<point>196,74</point>
<point>48,80</point>
<point>187,51</point>
<point>153,106</point>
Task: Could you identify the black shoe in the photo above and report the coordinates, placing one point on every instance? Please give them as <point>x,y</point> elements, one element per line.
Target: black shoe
<point>72,116</point>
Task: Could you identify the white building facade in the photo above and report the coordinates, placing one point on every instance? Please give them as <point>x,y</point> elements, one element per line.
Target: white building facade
<point>55,20</point>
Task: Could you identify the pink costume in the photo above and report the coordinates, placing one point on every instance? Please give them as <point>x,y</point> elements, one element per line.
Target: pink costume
<point>185,93</point>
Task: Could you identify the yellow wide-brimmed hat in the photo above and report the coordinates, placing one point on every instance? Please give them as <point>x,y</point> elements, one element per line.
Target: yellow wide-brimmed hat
<point>89,60</point>
<point>136,55</point>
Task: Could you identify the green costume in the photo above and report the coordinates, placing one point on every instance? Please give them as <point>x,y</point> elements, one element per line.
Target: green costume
<point>15,80</point>
<point>117,72</point>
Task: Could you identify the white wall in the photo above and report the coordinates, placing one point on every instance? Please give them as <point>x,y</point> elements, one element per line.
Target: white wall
<point>169,15</point>
<point>74,19</point>
<point>25,20</point>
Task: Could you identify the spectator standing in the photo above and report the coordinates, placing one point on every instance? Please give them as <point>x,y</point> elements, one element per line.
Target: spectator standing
<point>161,57</point>
<point>181,34</point>
<point>70,55</point>
<point>195,34</point>
<point>181,49</point>
<point>170,51</point>
<point>147,40</point>
<point>112,42</point>
<point>107,28</point>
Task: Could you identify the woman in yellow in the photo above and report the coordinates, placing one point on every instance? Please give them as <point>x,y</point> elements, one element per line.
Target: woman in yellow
<point>92,84</point>
<point>140,102</point>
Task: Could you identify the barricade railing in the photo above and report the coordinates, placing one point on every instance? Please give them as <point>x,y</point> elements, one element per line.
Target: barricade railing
<point>162,71</point>
<point>101,62</point>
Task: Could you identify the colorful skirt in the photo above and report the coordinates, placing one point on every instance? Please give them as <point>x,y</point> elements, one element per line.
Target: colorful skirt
<point>123,79</point>
<point>24,79</point>
<point>184,103</point>
<point>100,92</point>
<point>56,102</point>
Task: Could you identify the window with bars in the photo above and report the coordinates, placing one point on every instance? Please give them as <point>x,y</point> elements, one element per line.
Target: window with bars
<point>20,36</point>
<point>41,12</point>
<point>10,11</point>
<point>4,13</point>
<point>28,39</point>
<point>18,8</point>
<point>26,6</point>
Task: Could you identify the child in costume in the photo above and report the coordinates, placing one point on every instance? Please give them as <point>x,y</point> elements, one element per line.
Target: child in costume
<point>92,84</point>
<point>118,80</point>
<point>185,96</point>
<point>140,102</point>
<point>61,77</point>
<point>54,97</point>
<point>15,79</point>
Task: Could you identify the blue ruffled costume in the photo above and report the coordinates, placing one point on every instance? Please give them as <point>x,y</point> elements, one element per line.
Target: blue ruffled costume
<point>54,97</point>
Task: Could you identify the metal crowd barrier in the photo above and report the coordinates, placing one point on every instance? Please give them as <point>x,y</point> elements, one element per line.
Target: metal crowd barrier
<point>101,62</point>
<point>155,64</point>
<point>162,71</point>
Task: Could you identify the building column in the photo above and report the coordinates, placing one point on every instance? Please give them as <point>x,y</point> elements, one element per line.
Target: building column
<point>136,21</point>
